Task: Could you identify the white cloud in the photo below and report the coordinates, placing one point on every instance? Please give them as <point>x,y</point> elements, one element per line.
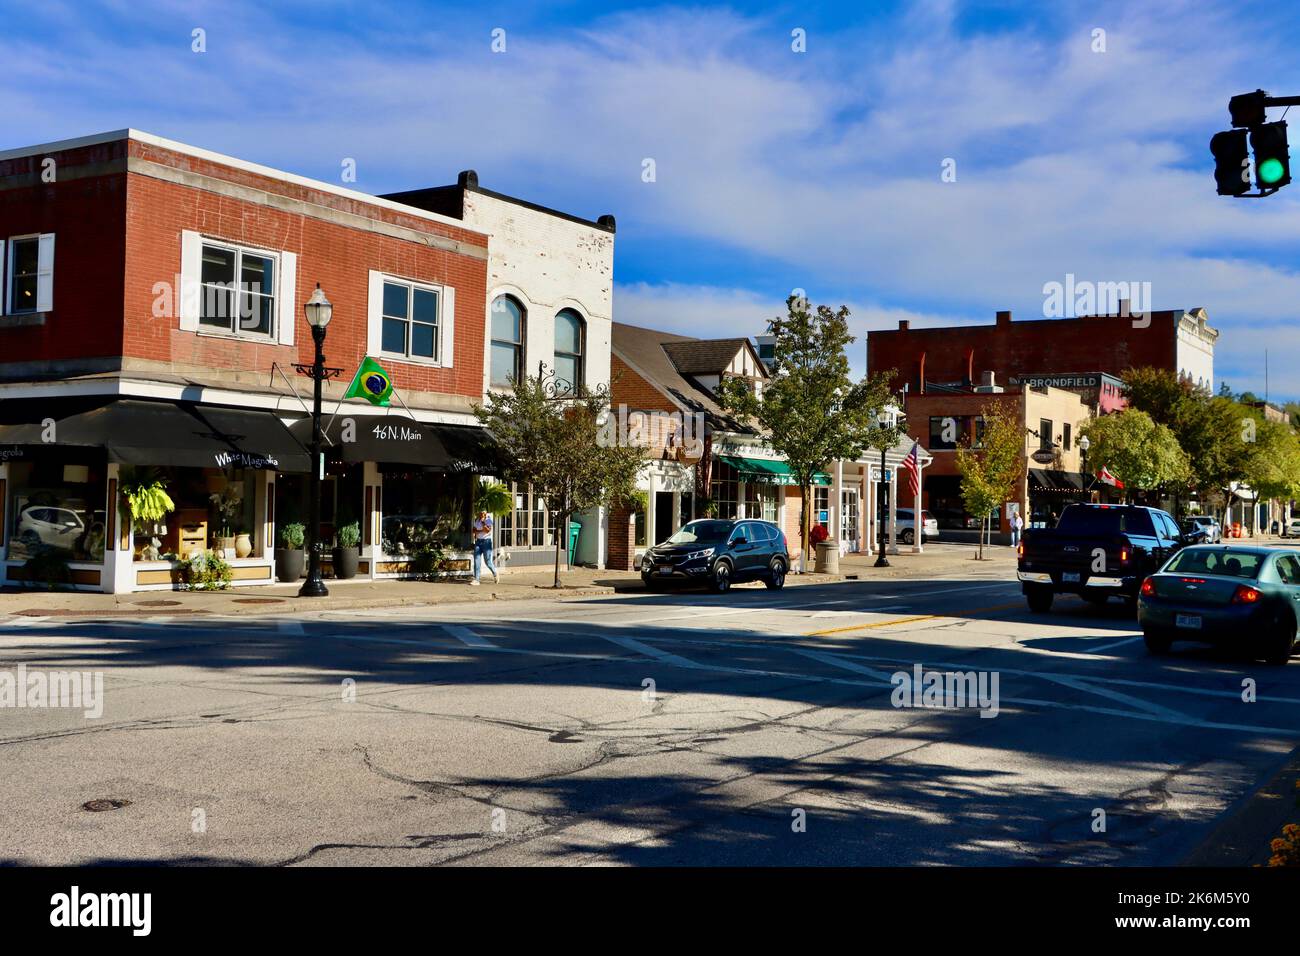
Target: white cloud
<point>828,162</point>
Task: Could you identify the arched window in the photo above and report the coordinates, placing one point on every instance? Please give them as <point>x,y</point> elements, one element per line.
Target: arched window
<point>570,340</point>
<point>507,350</point>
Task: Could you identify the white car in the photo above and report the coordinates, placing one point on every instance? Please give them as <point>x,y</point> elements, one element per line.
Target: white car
<point>57,527</point>
<point>1293,528</point>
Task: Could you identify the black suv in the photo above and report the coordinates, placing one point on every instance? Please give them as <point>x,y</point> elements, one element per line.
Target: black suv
<point>719,552</point>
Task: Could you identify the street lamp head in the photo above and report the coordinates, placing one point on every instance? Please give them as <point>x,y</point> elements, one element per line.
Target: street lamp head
<point>1084,443</point>
<point>885,417</point>
<point>318,308</point>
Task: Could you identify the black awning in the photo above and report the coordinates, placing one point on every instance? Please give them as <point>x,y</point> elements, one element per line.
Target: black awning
<point>388,439</point>
<point>472,448</point>
<point>140,432</point>
<point>1050,479</point>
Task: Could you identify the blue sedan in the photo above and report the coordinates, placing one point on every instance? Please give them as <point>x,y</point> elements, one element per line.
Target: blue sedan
<point>1224,594</point>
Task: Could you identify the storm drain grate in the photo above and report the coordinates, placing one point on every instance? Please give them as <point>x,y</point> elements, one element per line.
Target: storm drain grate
<point>259,600</point>
<point>156,603</point>
<point>99,806</point>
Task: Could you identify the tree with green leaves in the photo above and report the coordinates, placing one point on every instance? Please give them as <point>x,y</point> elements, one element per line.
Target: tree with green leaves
<point>549,434</point>
<point>991,471</point>
<point>1271,466</point>
<point>1135,449</point>
<point>811,412</point>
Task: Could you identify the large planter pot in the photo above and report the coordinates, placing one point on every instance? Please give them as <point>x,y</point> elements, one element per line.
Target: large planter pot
<point>243,546</point>
<point>345,562</point>
<point>289,564</point>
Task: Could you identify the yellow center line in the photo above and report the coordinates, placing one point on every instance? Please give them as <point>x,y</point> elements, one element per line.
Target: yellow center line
<point>911,620</point>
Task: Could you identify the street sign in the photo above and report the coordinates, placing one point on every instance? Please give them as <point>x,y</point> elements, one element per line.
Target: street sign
<point>1044,456</point>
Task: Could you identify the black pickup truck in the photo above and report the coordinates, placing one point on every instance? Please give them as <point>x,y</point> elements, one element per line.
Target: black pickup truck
<point>1097,551</point>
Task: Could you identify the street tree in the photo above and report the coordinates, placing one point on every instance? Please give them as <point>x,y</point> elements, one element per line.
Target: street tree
<point>548,432</point>
<point>1271,466</point>
<point>1136,450</point>
<point>992,469</point>
<point>1208,428</point>
<point>810,412</point>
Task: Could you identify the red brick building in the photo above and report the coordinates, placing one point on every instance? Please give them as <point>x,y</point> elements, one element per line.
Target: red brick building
<point>151,316</point>
<point>1178,340</point>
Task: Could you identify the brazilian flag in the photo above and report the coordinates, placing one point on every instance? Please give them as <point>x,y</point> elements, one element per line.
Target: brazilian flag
<point>371,383</point>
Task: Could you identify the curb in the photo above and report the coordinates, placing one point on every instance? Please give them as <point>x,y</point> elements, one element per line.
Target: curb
<point>1242,839</point>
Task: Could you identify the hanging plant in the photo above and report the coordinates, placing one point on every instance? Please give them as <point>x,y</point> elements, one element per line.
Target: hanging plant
<point>494,498</point>
<point>145,491</point>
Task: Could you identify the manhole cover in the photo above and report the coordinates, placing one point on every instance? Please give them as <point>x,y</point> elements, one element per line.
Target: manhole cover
<point>156,603</point>
<point>259,600</point>
<point>99,806</point>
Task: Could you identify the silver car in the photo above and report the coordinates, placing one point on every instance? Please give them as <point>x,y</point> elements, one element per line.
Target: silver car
<point>907,530</point>
<point>57,527</point>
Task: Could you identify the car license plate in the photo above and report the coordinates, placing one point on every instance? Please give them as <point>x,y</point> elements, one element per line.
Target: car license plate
<point>1070,577</point>
<point>1192,621</point>
<point>665,569</point>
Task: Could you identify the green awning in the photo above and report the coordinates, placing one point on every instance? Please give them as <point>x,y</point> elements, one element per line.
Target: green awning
<point>766,471</point>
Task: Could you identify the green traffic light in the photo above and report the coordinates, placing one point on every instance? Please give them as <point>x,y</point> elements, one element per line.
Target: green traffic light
<point>1271,170</point>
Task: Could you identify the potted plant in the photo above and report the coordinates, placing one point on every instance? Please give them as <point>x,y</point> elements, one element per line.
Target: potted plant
<point>230,506</point>
<point>347,551</point>
<point>290,559</point>
<point>145,500</point>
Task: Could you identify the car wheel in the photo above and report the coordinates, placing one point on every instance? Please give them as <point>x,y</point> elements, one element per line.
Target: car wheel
<point>650,583</point>
<point>906,536</point>
<point>721,577</point>
<point>776,576</point>
<point>1156,640</point>
<point>1279,640</point>
<point>1040,599</point>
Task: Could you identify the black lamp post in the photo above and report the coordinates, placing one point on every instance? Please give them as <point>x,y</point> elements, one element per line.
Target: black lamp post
<point>885,418</point>
<point>319,312</point>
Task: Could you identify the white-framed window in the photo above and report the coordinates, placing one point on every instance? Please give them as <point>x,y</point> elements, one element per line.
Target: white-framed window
<point>410,320</point>
<point>506,354</point>
<point>236,289</point>
<point>570,348</point>
<point>28,273</point>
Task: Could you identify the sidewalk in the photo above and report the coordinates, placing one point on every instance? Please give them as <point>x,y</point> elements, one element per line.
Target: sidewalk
<point>937,560</point>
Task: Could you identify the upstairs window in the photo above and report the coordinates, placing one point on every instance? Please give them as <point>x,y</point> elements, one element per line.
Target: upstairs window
<point>237,291</point>
<point>570,335</point>
<point>410,321</point>
<point>29,271</point>
<point>507,350</point>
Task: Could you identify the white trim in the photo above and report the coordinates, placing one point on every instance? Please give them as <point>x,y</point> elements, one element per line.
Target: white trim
<point>286,306</point>
<point>45,273</point>
<point>280,403</point>
<point>190,292</point>
<point>276,174</point>
<point>447,326</point>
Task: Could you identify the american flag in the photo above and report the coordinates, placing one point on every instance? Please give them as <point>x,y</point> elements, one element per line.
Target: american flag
<point>913,468</point>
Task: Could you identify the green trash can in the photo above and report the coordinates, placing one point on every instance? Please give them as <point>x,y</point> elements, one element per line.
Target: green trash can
<point>575,530</point>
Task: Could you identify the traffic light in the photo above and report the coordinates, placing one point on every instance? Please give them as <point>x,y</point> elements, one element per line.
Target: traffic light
<point>1231,162</point>
<point>1272,161</point>
<point>1247,109</point>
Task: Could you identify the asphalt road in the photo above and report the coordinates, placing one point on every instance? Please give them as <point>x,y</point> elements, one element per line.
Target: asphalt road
<point>752,728</point>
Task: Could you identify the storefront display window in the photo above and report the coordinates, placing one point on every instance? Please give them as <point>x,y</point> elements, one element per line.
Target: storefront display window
<point>424,508</point>
<point>59,506</point>
<point>724,489</point>
<point>530,524</point>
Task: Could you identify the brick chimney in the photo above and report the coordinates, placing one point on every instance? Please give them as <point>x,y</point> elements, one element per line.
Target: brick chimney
<point>1004,318</point>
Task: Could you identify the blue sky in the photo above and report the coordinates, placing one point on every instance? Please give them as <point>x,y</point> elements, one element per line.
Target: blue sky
<point>774,169</point>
